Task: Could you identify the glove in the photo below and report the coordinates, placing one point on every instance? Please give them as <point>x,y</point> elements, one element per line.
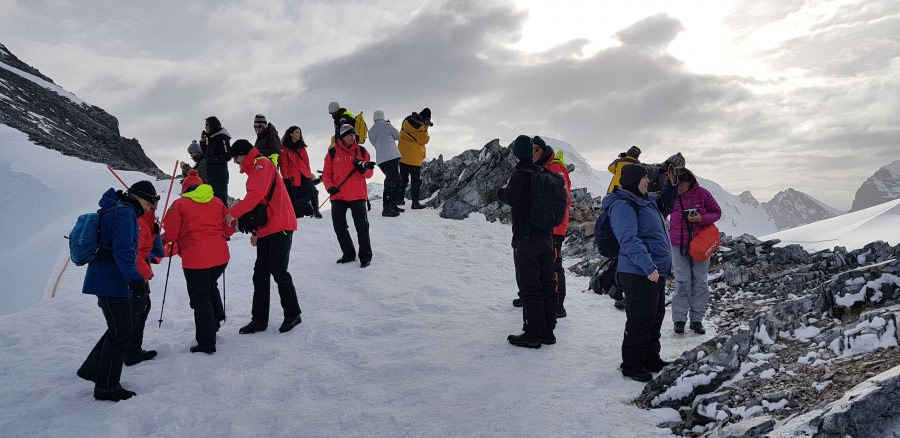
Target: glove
<point>360,166</point>
<point>317,181</point>
<point>156,228</point>
<point>138,287</point>
<point>369,165</point>
<point>333,190</point>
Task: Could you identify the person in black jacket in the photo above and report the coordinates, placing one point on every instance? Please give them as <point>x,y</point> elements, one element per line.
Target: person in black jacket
<point>215,142</point>
<point>532,254</point>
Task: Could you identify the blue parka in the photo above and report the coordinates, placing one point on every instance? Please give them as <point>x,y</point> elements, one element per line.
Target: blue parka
<point>642,231</point>
<point>109,277</point>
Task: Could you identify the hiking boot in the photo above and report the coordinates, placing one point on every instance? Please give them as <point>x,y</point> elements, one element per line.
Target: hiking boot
<point>364,263</point>
<point>208,349</point>
<point>116,393</point>
<point>253,327</point>
<point>136,358</point>
<point>697,327</point>
<point>517,302</point>
<point>560,311</point>
<point>402,201</point>
<point>289,323</point>
<point>317,215</point>
<point>346,259</point>
<point>656,365</point>
<point>397,209</point>
<point>390,213</point>
<point>548,339</point>
<point>621,304</point>
<point>86,375</point>
<point>416,206</point>
<point>640,374</point>
<point>679,327</point>
<point>525,340</point>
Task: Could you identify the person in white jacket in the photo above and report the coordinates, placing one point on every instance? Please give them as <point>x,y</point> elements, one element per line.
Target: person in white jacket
<point>384,137</point>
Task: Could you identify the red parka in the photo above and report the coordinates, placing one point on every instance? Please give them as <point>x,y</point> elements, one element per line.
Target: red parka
<point>145,244</point>
<point>338,164</point>
<point>260,174</point>
<point>195,224</point>
<point>560,169</point>
<point>294,163</point>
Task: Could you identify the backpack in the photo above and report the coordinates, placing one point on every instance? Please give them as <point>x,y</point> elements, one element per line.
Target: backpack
<point>605,281</point>
<point>549,200</point>
<point>362,130</point>
<point>84,239</point>
<point>606,241</point>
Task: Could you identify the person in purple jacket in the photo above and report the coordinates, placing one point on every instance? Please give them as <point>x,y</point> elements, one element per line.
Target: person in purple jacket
<point>694,209</point>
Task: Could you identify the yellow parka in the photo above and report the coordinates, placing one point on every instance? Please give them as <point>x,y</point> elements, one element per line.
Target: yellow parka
<point>615,168</point>
<point>413,138</point>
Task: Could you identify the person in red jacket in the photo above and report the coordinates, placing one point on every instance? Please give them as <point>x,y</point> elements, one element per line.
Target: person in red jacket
<point>347,167</point>
<point>298,178</point>
<point>195,224</point>
<point>272,240</point>
<point>148,251</point>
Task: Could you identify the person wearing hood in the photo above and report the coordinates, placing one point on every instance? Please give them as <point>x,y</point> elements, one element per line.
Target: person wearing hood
<point>267,141</point>
<point>638,221</point>
<point>298,178</point>
<point>413,138</point>
<point>694,209</point>
<point>272,239</point>
<point>149,252</point>
<point>194,225</point>
<point>215,141</point>
<point>114,278</point>
<point>196,153</point>
<point>383,136</point>
<point>532,253</point>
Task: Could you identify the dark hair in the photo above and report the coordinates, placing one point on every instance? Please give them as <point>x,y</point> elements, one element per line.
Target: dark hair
<point>685,175</point>
<point>214,124</point>
<point>286,140</point>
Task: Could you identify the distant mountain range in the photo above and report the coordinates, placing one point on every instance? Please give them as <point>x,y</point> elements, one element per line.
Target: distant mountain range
<point>881,187</point>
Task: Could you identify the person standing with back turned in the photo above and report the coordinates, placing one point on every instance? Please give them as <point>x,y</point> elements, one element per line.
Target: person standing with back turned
<point>413,138</point>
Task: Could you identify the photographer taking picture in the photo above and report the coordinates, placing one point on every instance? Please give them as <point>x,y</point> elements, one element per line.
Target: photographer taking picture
<point>347,167</point>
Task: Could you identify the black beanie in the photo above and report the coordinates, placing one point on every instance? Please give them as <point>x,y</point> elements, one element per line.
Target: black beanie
<point>144,190</point>
<point>240,147</point>
<point>634,151</point>
<point>631,176</point>
<point>540,142</point>
<point>523,148</point>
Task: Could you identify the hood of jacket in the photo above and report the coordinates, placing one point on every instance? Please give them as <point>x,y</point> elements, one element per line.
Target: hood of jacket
<point>202,194</point>
<point>545,157</point>
<point>222,131</point>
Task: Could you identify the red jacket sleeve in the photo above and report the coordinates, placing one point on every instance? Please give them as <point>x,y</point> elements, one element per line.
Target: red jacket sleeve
<point>328,172</point>
<point>259,180</point>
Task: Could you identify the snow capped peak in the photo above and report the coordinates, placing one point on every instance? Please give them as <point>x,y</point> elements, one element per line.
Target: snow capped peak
<point>881,187</point>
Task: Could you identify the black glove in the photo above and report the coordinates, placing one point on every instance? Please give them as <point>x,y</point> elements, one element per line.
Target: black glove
<point>317,181</point>
<point>333,190</point>
<point>156,228</point>
<point>138,287</point>
<point>369,165</point>
<point>360,167</point>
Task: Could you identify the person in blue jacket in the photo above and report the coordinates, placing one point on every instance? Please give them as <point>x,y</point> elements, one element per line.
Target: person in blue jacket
<point>638,222</point>
<point>113,277</point>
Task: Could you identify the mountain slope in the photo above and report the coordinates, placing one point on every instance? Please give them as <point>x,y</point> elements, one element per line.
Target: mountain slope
<point>54,118</point>
<point>881,187</point>
<point>790,208</point>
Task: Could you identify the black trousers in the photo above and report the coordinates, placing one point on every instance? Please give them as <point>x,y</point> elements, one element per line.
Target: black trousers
<point>140,309</point>
<point>414,173</point>
<point>106,359</point>
<point>272,257</point>
<point>360,221</point>
<point>533,258</point>
<point>558,268</point>
<point>217,174</point>
<point>203,292</point>
<point>393,187</point>
<point>644,316</point>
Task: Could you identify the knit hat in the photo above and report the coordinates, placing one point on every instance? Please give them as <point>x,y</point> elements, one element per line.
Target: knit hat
<point>144,190</point>
<point>426,114</point>
<point>333,107</point>
<point>194,148</point>
<point>631,176</point>
<point>346,129</point>
<point>193,179</point>
<point>261,119</point>
<point>634,151</point>
<point>240,147</point>
<point>523,147</point>
<point>378,115</point>
<point>540,142</point>
<point>676,160</point>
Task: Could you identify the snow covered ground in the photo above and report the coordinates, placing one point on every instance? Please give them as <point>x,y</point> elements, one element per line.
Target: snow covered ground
<point>414,345</point>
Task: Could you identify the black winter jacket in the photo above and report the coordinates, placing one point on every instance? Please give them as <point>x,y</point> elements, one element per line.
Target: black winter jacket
<point>517,195</point>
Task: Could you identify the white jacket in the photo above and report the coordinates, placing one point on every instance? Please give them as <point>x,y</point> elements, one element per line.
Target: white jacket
<point>383,136</point>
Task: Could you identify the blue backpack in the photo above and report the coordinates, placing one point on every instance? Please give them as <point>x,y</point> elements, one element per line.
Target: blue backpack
<point>606,241</point>
<point>84,239</point>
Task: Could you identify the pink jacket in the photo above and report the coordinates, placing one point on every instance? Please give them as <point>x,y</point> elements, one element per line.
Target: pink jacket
<point>696,197</point>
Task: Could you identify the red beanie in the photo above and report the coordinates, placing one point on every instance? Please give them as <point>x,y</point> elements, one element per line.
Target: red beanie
<point>191,180</point>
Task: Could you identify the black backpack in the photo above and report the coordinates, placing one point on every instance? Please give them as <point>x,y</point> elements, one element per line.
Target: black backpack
<point>606,282</point>
<point>549,199</point>
<point>606,241</point>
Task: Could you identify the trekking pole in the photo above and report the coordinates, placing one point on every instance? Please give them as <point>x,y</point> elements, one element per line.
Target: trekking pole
<point>171,183</point>
<point>117,176</point>
<point>338,187</point>
<point>166,288</point>
<point>223,292</point>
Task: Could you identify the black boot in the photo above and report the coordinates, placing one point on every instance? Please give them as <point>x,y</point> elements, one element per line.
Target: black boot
<point>208,349</point>
<point>656,366</point>
<point>548,338</point>
<point>289,323</point>
<point>388,212</point>
<point>346,259</point>
<point>679,327</point>
<point>517,302</point>
<point>253,327</point>
<point>86,375</point>
<point>697,327</point>
<point>560,311</point>
<point>640,374</point>
<point>116,393</point>
<point>417,206</point>
<point>136,358</point>
<point>525,340</point>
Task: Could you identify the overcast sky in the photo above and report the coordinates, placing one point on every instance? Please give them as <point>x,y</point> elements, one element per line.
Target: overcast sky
<point>758,95</point>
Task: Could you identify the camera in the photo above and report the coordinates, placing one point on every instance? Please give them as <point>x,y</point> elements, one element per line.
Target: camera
<point>689,212</point>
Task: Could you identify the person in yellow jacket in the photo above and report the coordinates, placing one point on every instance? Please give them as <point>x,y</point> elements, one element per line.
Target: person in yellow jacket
<point>615,168</point>
<point>413,138</point>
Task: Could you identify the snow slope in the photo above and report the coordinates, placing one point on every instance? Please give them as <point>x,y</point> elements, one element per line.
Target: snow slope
<point>414,345</point>
<point>852,230</point>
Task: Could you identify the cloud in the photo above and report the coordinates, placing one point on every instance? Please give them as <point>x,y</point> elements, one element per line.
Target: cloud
<point>656,31</point>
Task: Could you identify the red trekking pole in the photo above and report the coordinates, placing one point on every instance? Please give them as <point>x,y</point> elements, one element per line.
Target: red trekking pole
<point>171,183</point>
<point>117,177</point>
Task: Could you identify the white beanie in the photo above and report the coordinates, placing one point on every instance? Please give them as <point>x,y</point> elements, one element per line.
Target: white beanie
<point>333,107</point>
<point>378,115</point>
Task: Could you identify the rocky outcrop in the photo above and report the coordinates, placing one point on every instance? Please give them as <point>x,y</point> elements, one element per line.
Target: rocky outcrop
<point>881,187</point>
<point>54,118</point>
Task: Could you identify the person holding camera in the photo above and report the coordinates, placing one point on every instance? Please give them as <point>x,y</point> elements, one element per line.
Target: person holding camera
<point>625,158</point>
<point>694,209</point>
<point>347,167</point>
<point>271,236</point>
<point>214,142</point>
<point>413,138</point>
